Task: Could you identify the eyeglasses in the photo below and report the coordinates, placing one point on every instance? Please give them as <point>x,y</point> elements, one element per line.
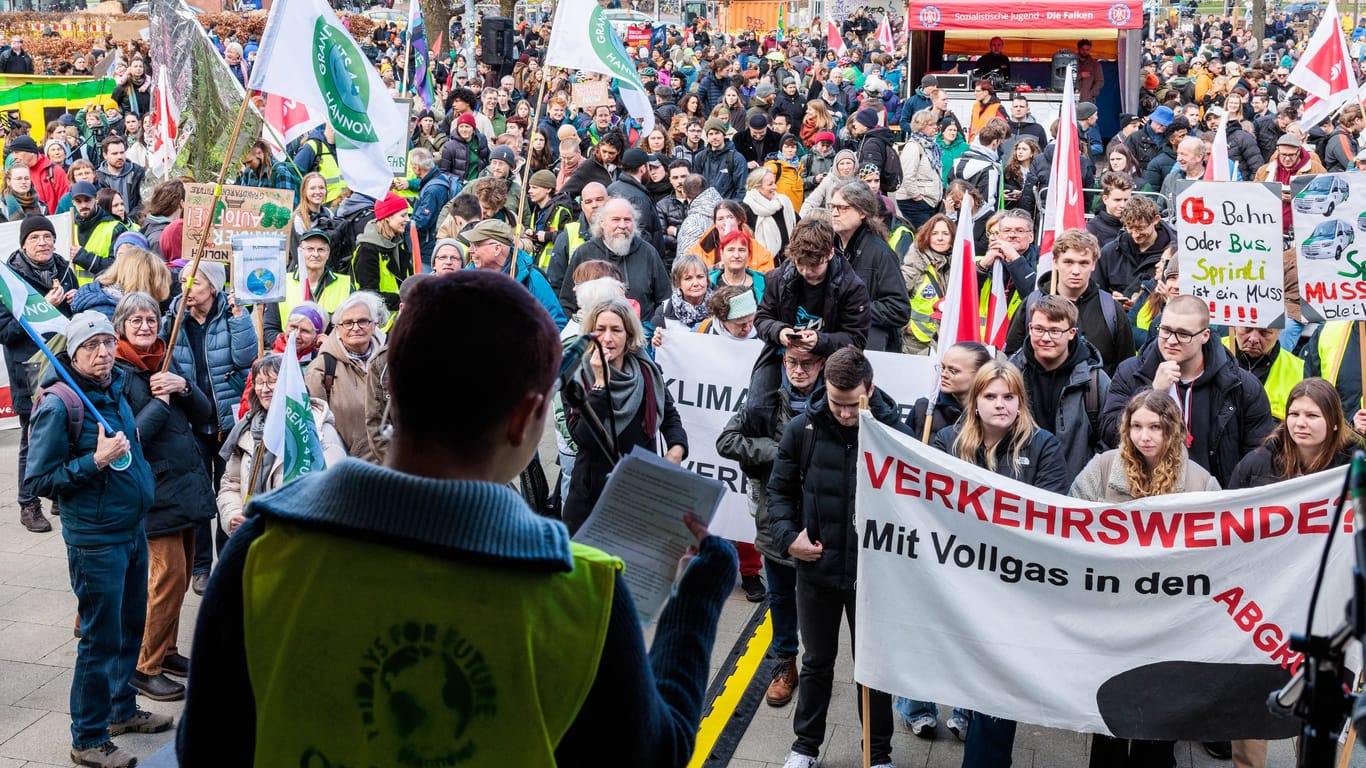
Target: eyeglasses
<point>951,370</point>
<point>1015,230</point>
<point>110,344</point>
<point>352,324</point>
<point>1042,331</point>
<point>1184,337</point>
<point>141,322</point>
<point>838,208</point>
<point>264,383</point>
<point>805,365</point>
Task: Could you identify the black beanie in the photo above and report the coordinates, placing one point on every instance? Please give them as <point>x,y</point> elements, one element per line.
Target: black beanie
<point>35,223</point>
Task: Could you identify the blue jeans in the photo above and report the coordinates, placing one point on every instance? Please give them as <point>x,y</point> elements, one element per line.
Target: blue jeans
<point>110,583</point>
<point>915,212</point>
<point>910,709</point>
<point>782,607</point>
<point>990,743</point>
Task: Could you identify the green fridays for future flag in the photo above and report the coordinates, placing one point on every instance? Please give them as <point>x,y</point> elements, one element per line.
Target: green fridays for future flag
<point>306,55</point>
<point>289,430</point>
<point>582,38</point>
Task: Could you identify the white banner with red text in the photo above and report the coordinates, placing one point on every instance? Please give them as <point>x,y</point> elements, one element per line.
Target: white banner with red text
<point>1162,618</point>
<point>708,377</point>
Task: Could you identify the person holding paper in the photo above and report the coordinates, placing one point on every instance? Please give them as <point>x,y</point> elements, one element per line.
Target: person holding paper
<point>543,664</point>
<point>810,494</point>
<point>628,397</point>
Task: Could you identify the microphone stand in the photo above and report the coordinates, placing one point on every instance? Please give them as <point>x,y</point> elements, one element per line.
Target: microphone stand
<point>573,393</point>
<point>1320,694</point>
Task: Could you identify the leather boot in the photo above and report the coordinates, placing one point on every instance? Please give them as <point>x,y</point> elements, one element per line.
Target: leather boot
<point>31,515</point>
<point>784,682</point>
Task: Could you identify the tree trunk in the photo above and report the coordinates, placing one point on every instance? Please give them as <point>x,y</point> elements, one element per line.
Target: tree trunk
<point>437,16</point>
<point>1258,26</point>
<point>506,8</point>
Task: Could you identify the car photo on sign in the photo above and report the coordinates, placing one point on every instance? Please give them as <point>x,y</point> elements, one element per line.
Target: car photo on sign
<point>1322,195</point>
<point>1328,240</point>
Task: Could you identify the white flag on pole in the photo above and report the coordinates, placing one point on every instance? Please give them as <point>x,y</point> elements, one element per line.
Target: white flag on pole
<point>1325,70</point>
<point>306,55</point>
<point>289,431</point>
<point>582,38</point>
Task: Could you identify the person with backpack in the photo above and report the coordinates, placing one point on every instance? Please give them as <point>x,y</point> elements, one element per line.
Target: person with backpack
<point>875,147</point>
<point>318,152</point>
<point>51,276</point>
<point>1102,320</point>
<point>434,191</point>
<point>980,165</point>
<point>1064,383</point>
<point>94,466</point>
<point>337,375</point>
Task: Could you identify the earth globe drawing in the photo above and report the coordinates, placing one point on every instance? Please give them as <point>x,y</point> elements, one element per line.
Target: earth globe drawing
<point>260,281</point>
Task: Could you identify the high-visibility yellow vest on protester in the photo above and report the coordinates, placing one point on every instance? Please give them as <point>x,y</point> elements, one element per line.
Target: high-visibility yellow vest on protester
<point>1332,348</point>
<point>392,659</point>
<point>327,166</point>
<point>334,292</point>
<point>100,241</point>
<point>1286,371</point>
<point>925,314</point>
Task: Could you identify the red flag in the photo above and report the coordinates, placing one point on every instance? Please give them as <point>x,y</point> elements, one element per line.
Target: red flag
<point>959,308</point>
<point>164,129</point>
<point>833,39</point>
<point>1324,71</point>
<point>884,34</point>
<point>1064,206</point>
<point>997,321</point>
<point>289,117</point>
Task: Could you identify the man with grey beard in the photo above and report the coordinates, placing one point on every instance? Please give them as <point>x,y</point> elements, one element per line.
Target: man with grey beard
<point>615,241</point>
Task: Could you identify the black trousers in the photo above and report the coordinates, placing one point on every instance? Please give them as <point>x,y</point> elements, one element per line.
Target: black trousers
<point>1109,752</point>
<point>818,612</point>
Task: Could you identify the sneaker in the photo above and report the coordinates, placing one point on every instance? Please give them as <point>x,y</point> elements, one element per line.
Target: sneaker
<point>755,591</point>
<point>106,755</point>
<point>924,725</point>
<point>199,582</point>
<point>887,764</point>
<point>157,687</point>
<point>142,721</point>
<point>177,665</point>
<point>31,515</point>
<point>784,682</point>
<point>1219,750</point>
<point>798,760</point>
<point>958,726</point>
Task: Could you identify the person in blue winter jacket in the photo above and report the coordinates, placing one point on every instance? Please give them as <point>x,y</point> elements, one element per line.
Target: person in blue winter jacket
<point>491,248</point>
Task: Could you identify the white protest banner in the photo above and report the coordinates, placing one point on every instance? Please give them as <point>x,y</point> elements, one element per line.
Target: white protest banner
<point>1328,231</point>
<point>1229,243</point>
<point>708,378</point>
<point>9,243</point>
<point>1163,618</point>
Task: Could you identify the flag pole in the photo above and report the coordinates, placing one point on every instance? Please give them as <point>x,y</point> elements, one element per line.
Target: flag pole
<point>407,56</point>
<point>206,230</point>
<point>61,371</point>
<point>526,166</point>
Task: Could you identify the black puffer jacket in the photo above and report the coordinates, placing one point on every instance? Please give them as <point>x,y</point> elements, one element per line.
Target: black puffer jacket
<point>1041,461</point>
<point>1123,267</point>
<point>18,346</point>
<point>459,161</point>
<point>844,311</point>
<point>1230,412</point>
<point>1263,467</point>
<point>819,498</point>
<point>184,494</point>
<point>879,268</point>
<point>671,212</point>
<point>1243,150</point>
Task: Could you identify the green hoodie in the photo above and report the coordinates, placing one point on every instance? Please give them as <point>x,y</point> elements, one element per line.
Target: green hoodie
<point>949,153</point>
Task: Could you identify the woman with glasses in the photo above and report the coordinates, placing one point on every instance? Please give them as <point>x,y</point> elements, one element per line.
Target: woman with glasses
<point>165,406</point>
<point>338,374</point>
<point>253,470</point>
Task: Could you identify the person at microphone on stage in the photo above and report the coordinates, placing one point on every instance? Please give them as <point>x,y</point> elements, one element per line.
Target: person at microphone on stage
<point>627,394</point>
<point>994,60</point>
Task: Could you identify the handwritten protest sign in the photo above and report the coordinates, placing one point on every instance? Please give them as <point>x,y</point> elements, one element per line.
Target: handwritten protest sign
<point>241,211</point>
<point>1329,234</point>
<point>591,93</point>
<point>1229,244</point>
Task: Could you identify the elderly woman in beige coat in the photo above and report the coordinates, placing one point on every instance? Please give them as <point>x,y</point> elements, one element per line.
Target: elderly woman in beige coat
<point>338,374</point>
<point>243,450</point>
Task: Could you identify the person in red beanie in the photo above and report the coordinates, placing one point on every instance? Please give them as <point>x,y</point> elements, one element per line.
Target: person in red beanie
<point>818,162</point>
<point>385,250</point>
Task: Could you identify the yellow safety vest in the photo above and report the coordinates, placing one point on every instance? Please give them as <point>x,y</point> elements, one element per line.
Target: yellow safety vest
<point>895,239</point>
<point>1332,348</point>
<point>334,293</point>
<point>407,192</point>
<point>1286,371</point>
<point>984,305</point>
<point>326,159</point>
<point>378,655</point>
<point>575,239</point>
<point>1145,317</point>
<point>388,281</point>
<point>545,251</point>
<point>100,241</point>
<point>925,314</point>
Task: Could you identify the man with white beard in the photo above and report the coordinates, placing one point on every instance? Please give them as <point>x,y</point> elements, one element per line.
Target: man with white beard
<point>615,241</point>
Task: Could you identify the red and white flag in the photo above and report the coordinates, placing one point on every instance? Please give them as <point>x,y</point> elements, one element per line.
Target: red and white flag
<point>959,319</point>
<point>1218,166</point>
<point>1325,71</point>
<point>164,129</point>
<point>997,321</point>
<point>833,39</point>
<point>884,34</point>
<point>1064,208</point>
<point>288,117</point>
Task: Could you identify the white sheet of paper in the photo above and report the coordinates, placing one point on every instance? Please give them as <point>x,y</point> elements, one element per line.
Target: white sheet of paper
<point>639,518</point>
